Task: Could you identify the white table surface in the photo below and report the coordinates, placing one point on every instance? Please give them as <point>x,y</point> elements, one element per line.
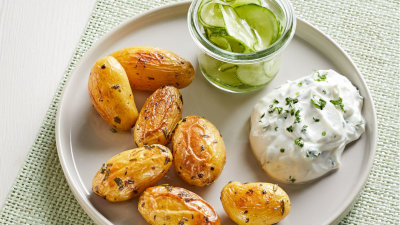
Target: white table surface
<point>37,39</point>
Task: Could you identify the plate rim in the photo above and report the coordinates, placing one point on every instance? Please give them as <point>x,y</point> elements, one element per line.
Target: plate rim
<point>99,218</point>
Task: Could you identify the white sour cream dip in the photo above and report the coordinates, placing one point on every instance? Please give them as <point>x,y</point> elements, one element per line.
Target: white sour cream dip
<point>299,130</point>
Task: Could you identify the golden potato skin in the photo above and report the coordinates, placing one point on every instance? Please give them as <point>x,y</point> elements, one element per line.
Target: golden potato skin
<point>174,205</point>
<point>255,203</point>
<point>111,94</point>
<point>149,68</point>
<point>127,174</point>
<point>198,150</point>
<point>158,117</point>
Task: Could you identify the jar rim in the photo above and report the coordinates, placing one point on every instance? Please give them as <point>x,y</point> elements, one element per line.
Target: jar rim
<point>253,57</point>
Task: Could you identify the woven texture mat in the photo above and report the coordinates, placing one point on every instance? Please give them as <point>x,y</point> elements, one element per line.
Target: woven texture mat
<point>368,31</point>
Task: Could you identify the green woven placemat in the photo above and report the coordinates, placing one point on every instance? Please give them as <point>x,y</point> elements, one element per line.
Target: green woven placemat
<point>368,30</point>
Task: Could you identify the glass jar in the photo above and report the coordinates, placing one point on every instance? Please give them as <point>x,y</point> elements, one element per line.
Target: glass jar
<point>246,71</point>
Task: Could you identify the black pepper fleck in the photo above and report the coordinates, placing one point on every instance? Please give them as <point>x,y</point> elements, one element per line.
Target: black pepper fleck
<point>167,160</point>
<point>116,86</point>
<point>117,120</point>
<point>250,191</point>
<point>282,207</point>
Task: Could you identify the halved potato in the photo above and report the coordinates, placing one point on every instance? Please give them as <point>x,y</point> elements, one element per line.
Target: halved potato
<point>149,68</point>
<point>127,174</point>
<point>255,203</point>
<point>111,94</point>
<point>198,150</point>
<point>158,117</point>
<point>173,205</point>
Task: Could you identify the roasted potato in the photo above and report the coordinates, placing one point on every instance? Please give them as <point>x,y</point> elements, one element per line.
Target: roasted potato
<point>198,150</point>
<point>129,173</point>
<point>111,94</point>
<point>150,68</point>
<point>255,203</point>
<point>173,205</point>
<point>158,117</point>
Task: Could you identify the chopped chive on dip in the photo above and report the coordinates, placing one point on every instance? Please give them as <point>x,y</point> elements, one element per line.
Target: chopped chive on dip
<point>321,77</point>
<point>304,128</point>
<point>290,129</point>
<point>338,103</point>
<point>290,101</point>
<point>299,142</point>
<point>320,104</point>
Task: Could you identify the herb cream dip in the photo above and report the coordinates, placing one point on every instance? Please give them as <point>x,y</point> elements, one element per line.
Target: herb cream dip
<point>299,130</point>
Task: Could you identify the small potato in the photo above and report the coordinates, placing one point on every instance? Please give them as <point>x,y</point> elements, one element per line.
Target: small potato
<point>174,205</point>
<point>150,68</point>
<point>255,203</point>
<point>111,94</point>
<point>129,173</point>
<point>158,117</point>
<point>198,150</point>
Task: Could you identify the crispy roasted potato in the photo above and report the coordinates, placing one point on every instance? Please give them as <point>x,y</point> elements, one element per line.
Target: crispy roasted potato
<point>198,150</point>
<point>255,203</point>
<point>158,117</point>
<point>173,205</point>
<point>150,68</point>
<point>129,173</point>
<point>111,93</point>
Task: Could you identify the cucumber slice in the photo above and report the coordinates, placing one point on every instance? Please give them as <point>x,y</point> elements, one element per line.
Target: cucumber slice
<point>253,74</point>
<point>216,31</point>
<point>220,42</point>
<point>219,37</point>
<point>210,14</point>
<point>236,45</point>
<point>220,72</point>
<point>236,27</point>
<point>263,21</point>
<point>237,3</point>
<point>271,67</point>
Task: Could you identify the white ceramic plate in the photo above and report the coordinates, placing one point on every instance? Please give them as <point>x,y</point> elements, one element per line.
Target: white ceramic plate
<point>84,140</point>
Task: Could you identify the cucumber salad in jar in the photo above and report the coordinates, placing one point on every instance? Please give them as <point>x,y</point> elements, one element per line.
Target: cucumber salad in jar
<point>244,36</point>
